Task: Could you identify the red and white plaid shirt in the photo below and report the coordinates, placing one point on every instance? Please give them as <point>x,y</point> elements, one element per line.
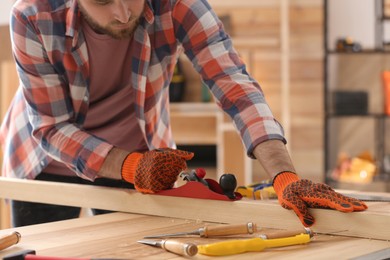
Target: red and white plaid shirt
<point>45,120</point>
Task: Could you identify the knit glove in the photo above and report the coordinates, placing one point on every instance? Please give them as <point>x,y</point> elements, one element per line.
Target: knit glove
<point>300,194</point>
<point>154,170</point>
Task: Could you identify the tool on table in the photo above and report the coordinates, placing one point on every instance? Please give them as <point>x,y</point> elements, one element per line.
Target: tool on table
<point>232,247</point>
<point>9,240</point>
<point>195,175</point>
<point>177,247</point>
<point>215,231</point>
<point>227,230</point>
<point>368,197</point>
<point>210,189</point>
<point>286,233</point>
<point>228,184</point>
<point>262,190</point>
<point>380,254</point>
<point>30,255</point>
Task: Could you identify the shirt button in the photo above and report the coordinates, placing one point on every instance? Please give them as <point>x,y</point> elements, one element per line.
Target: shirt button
<point>42,163</point>
<point>85,98</point>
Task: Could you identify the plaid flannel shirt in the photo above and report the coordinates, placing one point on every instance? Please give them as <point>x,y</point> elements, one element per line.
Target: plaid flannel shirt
<point>45,120</point>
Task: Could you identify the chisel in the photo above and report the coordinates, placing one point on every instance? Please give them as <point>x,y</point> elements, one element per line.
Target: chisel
<point>226,230</point>
<point>215,231</point>
<point>176,247</point>
<point>31,255</point>
<point>285,233</point>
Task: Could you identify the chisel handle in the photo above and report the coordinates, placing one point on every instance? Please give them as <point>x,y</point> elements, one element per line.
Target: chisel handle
<point>9,240</point>
<point>180,248</point>
<point>225,230</point>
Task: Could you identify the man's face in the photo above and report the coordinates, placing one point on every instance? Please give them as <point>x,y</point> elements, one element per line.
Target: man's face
<point>117,18</point>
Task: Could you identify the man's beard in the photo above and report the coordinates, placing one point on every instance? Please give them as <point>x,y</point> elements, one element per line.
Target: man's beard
<point>110,28</point>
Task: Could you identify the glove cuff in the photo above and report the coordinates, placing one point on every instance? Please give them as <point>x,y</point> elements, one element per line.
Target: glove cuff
<point>129,166</point>
<point>282,179</point>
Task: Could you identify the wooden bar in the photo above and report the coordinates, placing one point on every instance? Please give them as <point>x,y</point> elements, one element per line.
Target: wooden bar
<point>372,223</point>
<point>243,4</point>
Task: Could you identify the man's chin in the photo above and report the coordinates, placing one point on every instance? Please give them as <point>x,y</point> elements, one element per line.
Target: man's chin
<point>121,33</point>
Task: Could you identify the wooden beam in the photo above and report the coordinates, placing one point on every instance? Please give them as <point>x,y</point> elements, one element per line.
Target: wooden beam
<point>373,223</point>
<point>242,4</point>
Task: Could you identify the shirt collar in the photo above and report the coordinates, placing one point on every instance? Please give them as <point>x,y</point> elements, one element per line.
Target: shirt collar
<point>149,12</point>
<point>72,22</point>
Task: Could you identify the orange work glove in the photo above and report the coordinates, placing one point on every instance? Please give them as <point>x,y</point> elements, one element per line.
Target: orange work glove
<point>154,170</point>
<point>299,195</point>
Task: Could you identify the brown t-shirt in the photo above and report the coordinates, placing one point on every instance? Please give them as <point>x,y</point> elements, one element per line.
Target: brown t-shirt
<point>111,114</point>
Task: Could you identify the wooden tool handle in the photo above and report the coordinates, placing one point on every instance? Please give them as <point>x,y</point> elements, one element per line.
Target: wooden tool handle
<point>180,248</point>
<point>284,233</point>
<point>9,240</point>
<point>225,230</point>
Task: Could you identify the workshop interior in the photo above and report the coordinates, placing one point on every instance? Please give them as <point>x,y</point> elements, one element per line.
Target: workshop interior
<point>324,68</point>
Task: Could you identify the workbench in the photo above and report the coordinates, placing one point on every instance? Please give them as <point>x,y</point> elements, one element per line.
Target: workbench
<point>115,235</point>
<point>339,235</point>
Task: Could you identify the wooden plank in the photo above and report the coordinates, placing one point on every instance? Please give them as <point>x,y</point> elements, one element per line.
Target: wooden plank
<point>5,50</point>
<point>114,236</point>
<point>194,123</point>
<point>9,82</point>
<point>372,223</point>
<point>243,4</point>
<point>234,156</point>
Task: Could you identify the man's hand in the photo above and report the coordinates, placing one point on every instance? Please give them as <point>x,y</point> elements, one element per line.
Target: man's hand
<point>299,195</point>
<point>155,170</point>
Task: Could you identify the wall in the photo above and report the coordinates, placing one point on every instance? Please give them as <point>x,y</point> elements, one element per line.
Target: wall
<point>5,7</point>
<point>357,22</point>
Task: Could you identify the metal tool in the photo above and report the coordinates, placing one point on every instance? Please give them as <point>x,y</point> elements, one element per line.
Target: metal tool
<point>381,254</point>
<point>30,255</point>
<point>195,175</point>
<point>9,240</point>
<point>367,197</point>
<point>215,231</point>
<point>176,247</point>
<point>232,247</point>
<point>286,233</point>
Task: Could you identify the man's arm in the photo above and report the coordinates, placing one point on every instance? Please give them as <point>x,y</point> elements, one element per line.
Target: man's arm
<point>295,193</point>
<point>274,157</point>
<point>112,166</point>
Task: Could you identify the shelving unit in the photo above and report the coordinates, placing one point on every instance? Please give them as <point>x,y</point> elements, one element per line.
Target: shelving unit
<point>359,74</point>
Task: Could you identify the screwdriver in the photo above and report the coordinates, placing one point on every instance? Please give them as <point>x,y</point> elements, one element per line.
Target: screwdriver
<point>215,231</point>
<point>232,247</point>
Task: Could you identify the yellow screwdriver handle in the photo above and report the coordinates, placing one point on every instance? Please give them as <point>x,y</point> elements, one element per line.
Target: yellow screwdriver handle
<point>232,247</point>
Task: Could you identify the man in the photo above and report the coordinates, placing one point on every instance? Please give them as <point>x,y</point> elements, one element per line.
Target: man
<point>93,101</point>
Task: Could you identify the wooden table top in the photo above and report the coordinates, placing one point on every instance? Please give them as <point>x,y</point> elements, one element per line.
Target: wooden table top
<point>115,235</point>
